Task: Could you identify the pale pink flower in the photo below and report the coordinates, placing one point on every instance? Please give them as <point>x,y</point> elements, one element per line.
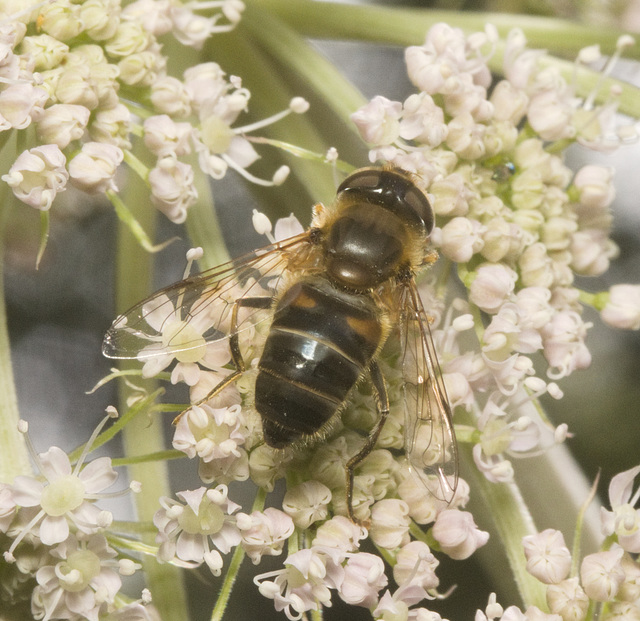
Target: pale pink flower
<point>415,564</point>
<point>390,523</point>
<point>82,579</point>
<point>363,578</point>
<point>591,251</point>
<point>622,309</point>
<point>307,503</point>
<point>20,103</point>
<point>38,175</point>
<point>172,188</point>
<point>601,574</point>
<point>339,533</point>
<point>164,136</point>
<point>623,519</point>
<point>563,344</point>
<point>188,531</point>
<point>422,120</point>
<point>568,600</point>
<point>67,495</point>
<point>379,121</point>
<point>396,606</point>
<point>457,534</point>
<point>61,124</point>
<point>303,584</point>
<point>492,285</point>
<point>548,558</point>
<point>595,185</point>
<point>459,239</point>
<point>264,532</point>
<point>94,168</point>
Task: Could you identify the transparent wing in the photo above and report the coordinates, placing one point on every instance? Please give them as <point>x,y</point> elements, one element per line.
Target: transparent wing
<point>430,441</point>
<point>198,310</point>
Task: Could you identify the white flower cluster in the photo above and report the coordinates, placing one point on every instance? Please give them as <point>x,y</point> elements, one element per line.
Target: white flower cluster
<point>84,74</point>
<point>519,224</point>
<point>520,227</point>
<point>607,583</point>
<point>56,538</point>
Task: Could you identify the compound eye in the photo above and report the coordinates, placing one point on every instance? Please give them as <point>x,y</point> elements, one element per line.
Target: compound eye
<point>364,178</point>
<point>418,201</point>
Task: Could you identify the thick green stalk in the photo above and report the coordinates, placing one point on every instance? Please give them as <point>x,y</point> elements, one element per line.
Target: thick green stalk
<point>402,26</point>
<point>14,457</point>
<point>408,27</point>
<point>145,434</point>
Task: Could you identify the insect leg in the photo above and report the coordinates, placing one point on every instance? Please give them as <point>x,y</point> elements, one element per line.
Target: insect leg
<point>382,403</point>
<point>234,348</point>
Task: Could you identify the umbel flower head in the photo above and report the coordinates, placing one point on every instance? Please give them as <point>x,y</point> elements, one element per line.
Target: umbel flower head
<point>520,226</point>
<point>92,80</point>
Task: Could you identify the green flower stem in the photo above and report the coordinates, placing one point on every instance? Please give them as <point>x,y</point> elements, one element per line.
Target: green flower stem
<point>14,457</point>
<point>203,226</point>
<point>513,521</point>
<point>280,40</point>
<point>167,455</point>
<point>273,82</point>
<point>234,567</point>
<point>144,434</point>
<point>408,27</point>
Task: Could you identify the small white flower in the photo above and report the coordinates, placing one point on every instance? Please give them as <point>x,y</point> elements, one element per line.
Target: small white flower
<point>622,309</point>
<point>457,534</point>
<point>67,496</point>
<point>287,227</point>
<point>595,185</point>
<point>264,532</point>
<point>211,433</point>
<point>38,175</point>
<point>364,577</point>
<point>548,558</point>
<point>563,344</point>
<point>492,285</point>
<point>459,239</point>
<point>112,126</point>
<point>307,503</point>
<point>187,531</point>
<point>164,136</point>
<point>82,579</point>
<point>624,518</point>
<point>61,124</point>
<point>170,96</point>
<point>7,507</point>
<point>304,582</point>
<point>379,121</point>
<point>422,120</point>
<point>396,607</point>
<point>601,574</point>
<point>415,564</point>
<point>390,523</point>
<point>19,104</point>
<point>339,533</point>
<point>94,168</point>
<point>172,188</point>
<point>568,600</point>
<point>550,113</point>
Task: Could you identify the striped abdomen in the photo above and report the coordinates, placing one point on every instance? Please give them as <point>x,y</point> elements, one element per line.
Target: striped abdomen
<point>320,342</point>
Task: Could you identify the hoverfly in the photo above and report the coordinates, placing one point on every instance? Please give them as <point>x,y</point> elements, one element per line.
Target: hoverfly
<point>334,295</point>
